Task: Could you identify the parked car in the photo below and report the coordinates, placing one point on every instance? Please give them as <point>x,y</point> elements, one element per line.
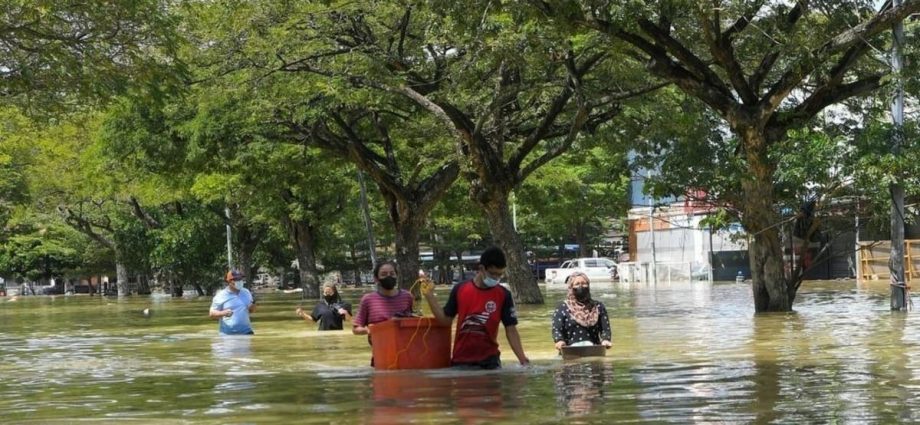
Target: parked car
<point>599,269</point>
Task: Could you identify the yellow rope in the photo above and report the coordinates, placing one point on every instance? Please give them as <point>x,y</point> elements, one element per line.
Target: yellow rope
<point>425,284</point>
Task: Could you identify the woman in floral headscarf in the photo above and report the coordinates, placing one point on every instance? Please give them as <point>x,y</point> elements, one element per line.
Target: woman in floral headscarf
<point>579,320</point>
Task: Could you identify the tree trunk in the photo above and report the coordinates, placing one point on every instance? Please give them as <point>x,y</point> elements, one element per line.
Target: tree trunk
<point>407,253</point>
<point>771,291</point>
<point>281,272</point>
<point>143,285</point>
<point>444,267</point>
<point>356,267</point>
<point>245,258</point>
<point>523,285</point>
<point>581,238</point>
<point>248,238</point>
<point>461,267</point>
<point>121,273</point>
<point>305,245</point>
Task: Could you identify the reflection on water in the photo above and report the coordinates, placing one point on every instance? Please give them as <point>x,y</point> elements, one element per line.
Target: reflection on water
<point>580,386</point>
<point>682,353</point>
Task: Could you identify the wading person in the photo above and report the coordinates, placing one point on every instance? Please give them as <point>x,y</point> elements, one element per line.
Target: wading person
<point>232,305</point>
<point>479,305</point>
<point>386,302</point>
<point>580,320</point>
<point>330,312</point>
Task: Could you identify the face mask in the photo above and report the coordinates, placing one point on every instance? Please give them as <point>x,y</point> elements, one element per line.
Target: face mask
<point>240,283</point>
<point>489,281</point>
<point>388,282</point>
<point>329,298</point>
<point>582,293</point>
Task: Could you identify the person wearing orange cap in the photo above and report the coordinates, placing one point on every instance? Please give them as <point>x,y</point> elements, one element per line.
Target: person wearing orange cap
<point>232,305</point>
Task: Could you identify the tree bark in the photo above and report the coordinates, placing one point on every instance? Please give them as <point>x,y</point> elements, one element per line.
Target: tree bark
<point>581,238</point>
<point>302,235</point>
<point>523,285</point>
<point>143,284</point>
<point>770,288</point>
<point>407,252</point>
<point>121,273</point>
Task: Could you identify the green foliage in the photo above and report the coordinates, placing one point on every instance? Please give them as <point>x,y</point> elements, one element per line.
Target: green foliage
<point>64,54</point>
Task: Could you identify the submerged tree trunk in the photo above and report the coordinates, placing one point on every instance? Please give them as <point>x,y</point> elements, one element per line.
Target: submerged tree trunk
<point>765,251</point>
<point>121,273</point>
<point>523,285</point>
<point>302,235</point>
<point>143,284</point>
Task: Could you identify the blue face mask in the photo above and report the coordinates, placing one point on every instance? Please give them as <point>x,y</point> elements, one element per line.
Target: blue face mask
<point>489,281</point>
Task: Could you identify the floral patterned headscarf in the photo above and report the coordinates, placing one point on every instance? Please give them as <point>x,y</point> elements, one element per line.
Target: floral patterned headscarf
<point>585,313</point>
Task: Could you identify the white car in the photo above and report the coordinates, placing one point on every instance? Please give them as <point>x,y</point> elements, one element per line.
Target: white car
<point>598,269</point>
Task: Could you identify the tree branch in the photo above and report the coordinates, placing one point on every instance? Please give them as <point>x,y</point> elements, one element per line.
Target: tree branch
<point>858,34</point>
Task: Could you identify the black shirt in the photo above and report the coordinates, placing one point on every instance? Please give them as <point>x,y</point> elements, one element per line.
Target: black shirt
<point>327,315</point>
<point>565,328</point>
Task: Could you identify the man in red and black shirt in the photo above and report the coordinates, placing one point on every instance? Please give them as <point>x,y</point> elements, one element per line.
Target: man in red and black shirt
<point>481,303</point>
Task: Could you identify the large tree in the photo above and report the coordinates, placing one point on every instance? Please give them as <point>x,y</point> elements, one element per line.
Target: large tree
<point>61,54</point>
<point>765,68</point>
<point>514,94</point>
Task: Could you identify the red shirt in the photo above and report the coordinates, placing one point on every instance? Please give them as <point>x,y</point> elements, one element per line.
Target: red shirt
<point>479,311</point>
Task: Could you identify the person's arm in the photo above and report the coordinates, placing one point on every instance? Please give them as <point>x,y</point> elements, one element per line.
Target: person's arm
<point>303,315</point>
<point>559,332</point>
<point>360,324</point>
<point>606,333</point>
<point>252,301</point>
<point>217,311</point>
<point>217,314</point>
<point>514,340</point>
<point>343,311</point>
<point>436,309</point>
<point>509,320</point>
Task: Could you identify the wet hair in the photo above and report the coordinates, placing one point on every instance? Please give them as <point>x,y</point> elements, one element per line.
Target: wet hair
<point>380,264</point>
<point>493,256</point>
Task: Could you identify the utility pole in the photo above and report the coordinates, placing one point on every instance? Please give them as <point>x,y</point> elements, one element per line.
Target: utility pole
<point>651,228</point>
<point>229,241</point>
<point>896,188</point>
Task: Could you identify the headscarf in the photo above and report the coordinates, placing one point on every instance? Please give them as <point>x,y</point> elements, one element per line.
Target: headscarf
<point>585,314</point>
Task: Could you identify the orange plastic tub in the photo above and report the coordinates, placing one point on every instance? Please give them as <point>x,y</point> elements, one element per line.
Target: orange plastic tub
<point>410,343</point>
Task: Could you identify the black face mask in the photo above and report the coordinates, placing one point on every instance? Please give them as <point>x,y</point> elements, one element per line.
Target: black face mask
<point>329,298</point>
<point>582,293</point>
<point>388,282</point>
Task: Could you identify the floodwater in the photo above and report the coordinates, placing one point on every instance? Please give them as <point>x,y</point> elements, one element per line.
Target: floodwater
<point>683,353</point>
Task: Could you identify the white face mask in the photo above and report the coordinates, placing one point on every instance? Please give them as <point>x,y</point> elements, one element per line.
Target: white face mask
<point>240,284</point>
<point>489,281</point>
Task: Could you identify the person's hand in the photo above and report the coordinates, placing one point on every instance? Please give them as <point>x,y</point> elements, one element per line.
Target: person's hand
<point>525,362</point>
<point>342,311</point>
<point>426,287</point>
<point>559,345</point>
<point>227,313</point>
<point>299,311</point>
<point>606,344</point>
